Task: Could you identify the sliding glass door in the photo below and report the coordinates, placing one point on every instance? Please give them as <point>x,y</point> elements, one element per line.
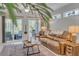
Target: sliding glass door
<point>13,32</point>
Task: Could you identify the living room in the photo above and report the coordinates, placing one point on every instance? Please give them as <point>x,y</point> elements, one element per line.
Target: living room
<point>57,37</point>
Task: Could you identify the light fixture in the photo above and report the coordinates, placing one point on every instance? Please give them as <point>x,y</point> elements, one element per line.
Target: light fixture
<point>27,9</point>
<point>43,28</point>
<point>74,29</point>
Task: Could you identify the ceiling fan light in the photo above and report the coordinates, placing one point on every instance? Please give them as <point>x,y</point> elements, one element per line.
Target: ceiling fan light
<point>26,10</point>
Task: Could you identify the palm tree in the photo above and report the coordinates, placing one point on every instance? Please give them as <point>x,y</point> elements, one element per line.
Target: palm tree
<point>43,10</point>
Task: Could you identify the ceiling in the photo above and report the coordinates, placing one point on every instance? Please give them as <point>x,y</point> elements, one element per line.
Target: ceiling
<point>56,6</point>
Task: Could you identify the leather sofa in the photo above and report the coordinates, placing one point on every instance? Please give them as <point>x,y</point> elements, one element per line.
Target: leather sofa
<point>54,42</point>
<point>51,44</point>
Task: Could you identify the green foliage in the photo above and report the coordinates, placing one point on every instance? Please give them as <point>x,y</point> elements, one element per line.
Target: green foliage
<point>11,9</point>
<point>43,10</point>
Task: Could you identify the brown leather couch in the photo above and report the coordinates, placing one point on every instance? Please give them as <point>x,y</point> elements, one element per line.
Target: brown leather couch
<point>51,44</point>
<point>54,42</point>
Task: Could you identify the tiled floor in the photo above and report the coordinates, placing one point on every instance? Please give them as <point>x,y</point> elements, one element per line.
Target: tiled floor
<point>17,50</point>
<point>47,52</point>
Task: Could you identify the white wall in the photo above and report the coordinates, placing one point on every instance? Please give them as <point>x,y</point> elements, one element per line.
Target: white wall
<point>64,23</point>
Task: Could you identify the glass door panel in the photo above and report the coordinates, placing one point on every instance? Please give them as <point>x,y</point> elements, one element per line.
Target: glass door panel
<point>8,30</point>
<point>11,31</point>
<point>34,26</point>
<point>18,30</point>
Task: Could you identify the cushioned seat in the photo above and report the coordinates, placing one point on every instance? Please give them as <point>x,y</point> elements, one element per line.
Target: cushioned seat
<point>44,39</point>
<point>52,42</point>
<point>53,45</point>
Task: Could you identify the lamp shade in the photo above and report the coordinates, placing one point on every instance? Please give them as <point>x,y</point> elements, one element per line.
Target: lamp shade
<point>43,28</point>
<point>74,29</point>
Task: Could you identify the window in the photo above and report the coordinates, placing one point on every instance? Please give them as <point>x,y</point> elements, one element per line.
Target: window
<point>71,13</point>
<point>57,16</point>
<point>77,12</point>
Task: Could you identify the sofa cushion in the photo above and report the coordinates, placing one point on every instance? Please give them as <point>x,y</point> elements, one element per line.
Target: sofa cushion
<point>53,43</point>
<point>43,39</point>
